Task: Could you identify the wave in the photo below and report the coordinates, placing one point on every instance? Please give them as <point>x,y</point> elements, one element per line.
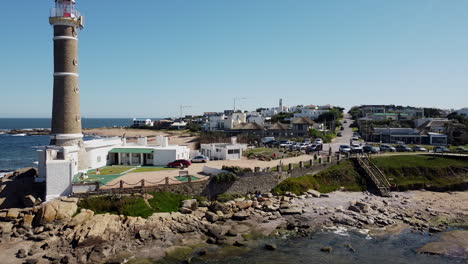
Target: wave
<point>19,135</point>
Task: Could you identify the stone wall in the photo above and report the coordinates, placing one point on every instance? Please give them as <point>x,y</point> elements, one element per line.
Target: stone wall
<point>247,183</point>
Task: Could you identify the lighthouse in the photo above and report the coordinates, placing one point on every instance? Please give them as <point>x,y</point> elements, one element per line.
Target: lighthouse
<point>66,118</point>
<point>66,155</point>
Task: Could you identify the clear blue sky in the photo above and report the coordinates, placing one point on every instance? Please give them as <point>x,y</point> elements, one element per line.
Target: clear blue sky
<point>145,58</point>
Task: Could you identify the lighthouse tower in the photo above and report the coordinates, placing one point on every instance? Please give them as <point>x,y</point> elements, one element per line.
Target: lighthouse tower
<point>66,155</point>
<point>66,119</point>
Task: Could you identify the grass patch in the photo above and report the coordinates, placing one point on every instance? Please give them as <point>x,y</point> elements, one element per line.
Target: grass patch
<point>225,197</point>
<point>129,205</point>
<point>166,201</point>
<point>111,170</point>
<point>331,179</point>
<point>134,205</point>
<point>148,169</point>
<point>413,171</point>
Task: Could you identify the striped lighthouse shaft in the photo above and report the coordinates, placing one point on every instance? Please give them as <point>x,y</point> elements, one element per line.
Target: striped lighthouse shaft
<point>66,119</point>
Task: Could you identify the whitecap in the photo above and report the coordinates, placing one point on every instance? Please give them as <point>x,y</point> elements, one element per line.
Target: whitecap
<point>19,135</point>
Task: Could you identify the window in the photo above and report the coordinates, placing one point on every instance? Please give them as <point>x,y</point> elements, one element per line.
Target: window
<point>233,151</point>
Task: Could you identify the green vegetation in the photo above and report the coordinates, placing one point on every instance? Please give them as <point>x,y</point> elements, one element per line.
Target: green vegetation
<point>225,197</point>
<point>111,170</point>
<point>266,152</point>
<point>134,205</point>
<point>406,171</point>
<point>327,136</point>
<point>148,169</point>
<point>281,118</point>
<point>225,177</point>
<point>130,205</point>
<point>236,169</point>
<point>166,201</point>
<point>331,179</point>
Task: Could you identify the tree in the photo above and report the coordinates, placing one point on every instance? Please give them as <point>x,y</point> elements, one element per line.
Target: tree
<point>432,112</point>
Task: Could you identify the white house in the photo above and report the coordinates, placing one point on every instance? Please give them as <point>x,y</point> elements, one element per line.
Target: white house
<point>223,151</point>
<point>311,113</point>
<point>138,122</point>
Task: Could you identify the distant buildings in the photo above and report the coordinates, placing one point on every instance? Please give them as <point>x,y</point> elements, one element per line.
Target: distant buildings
<point>463,112</point>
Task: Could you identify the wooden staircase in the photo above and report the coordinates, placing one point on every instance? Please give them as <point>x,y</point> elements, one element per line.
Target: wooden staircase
<point>375,174</point>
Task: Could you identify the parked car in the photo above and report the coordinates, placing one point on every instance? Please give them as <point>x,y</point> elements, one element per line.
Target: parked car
<point>356,148</point>
<point>179,163</point>
<point>339,134</point>
<point>200,159</point>
<point>302,146</point>
<point>370,149</point>
<point>385,147</point>
<point>318,141</point>
<point>440,149</point>
<point>345,149</point>
<point>284,143</point>
<point>419,148</point>
<point>272,143</point>
<point>314,147</point>
<point>403,148</point>
<point>345,121</point>
<point>461,149</point>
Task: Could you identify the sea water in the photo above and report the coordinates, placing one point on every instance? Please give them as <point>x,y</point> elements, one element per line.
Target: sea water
<point>350,248</point>
<point>20,150</point>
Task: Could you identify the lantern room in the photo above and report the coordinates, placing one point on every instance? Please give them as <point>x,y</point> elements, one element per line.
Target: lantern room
<point>65,8</point>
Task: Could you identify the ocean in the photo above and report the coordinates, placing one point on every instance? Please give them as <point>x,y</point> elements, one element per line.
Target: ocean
<point>19,151</point>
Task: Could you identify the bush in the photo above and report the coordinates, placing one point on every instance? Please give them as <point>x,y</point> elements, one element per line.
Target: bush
<point>236,169</point>
<point>166,202</point>
<point>225,177</point>
<point>128,205</point>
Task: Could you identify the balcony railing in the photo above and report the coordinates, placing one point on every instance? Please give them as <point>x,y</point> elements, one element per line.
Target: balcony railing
<point>60,12</point>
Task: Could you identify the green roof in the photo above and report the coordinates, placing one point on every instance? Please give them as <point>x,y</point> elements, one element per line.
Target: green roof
<point>131,150</point>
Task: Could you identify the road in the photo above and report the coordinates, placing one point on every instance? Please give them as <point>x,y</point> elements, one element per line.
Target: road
<point>343,140</point>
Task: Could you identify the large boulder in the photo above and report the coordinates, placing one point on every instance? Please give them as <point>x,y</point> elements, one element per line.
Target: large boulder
<point>61,209</point>
<point>103,227</point>
<point>191,204</point>
<point>211,217</point>
<point>314,193</point>
<point>29,201</point>
<point>81,218</point>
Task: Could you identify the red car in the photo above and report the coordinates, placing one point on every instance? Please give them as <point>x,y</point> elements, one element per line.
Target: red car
<point>179,163</point>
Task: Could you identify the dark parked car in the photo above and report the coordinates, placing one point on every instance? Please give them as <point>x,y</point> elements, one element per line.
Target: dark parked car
<point>403,148</point>
<point>179,163</point>
<point>339,134</point>
<point>272,143</point>
<point>461,149</point>
<point>440,150</point>
<point>314,147</point>
<point>370,149</point>
<point>419,148</point>
<point>386,147</point>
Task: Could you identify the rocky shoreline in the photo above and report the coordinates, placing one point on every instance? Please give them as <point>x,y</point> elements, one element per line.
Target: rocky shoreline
<point>54,233</point>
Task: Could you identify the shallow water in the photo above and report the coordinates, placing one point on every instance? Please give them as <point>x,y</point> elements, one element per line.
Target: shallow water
<point>392,249</point>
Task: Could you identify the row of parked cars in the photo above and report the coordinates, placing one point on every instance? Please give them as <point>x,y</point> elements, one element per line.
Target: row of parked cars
<point>357,148</point>
<point>307,145</point>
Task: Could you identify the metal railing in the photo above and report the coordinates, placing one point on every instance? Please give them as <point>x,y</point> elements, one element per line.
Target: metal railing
<point>60,12</point>
<point>376,175</point>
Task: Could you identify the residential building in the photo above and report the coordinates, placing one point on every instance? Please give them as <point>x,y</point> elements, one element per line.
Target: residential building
<point>301,126</point>
<point>139,122</point>
<point>407,136</point>
<point>223,151</point>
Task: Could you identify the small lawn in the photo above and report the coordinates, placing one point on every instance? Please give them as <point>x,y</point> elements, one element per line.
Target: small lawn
<point>148,169</point>
<point>427,161</point>
<point>268,152</point>
<point>166,201</point>
<point>111,170</point>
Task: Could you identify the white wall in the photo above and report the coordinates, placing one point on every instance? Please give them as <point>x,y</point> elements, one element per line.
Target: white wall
<point>59,178</point>
<point>97,157</point>
<point>163,156</point>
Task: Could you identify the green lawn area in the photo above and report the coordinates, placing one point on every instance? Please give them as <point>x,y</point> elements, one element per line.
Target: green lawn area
<point>148,169</point>
<point>427,161</point>
<point>185,178</point>
<point>111,170</point>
